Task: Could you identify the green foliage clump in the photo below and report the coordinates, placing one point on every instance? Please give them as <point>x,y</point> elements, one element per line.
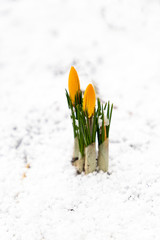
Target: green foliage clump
<point>85,128</point>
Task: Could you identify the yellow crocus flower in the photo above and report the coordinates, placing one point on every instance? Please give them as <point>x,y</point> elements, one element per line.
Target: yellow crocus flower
<point>73,84</point>
<point>89,100</point>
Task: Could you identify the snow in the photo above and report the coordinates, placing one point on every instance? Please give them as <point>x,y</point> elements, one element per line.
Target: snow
<point>116,45</point>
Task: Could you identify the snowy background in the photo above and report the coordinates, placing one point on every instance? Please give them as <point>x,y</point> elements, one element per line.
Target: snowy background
<point>116,44</point>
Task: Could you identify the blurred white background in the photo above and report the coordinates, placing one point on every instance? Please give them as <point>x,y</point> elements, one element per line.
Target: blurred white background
<point>116,45</point>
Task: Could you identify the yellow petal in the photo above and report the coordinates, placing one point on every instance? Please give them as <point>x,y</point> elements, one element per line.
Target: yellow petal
<point>24,175</point>
<point>89,100</point>
<point>73,84</point>
<point>28,165</point>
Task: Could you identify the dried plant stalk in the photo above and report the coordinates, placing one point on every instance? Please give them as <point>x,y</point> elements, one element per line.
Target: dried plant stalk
<point>90,158</point>
<point>80,163</point>
<point>103,155</point>
<point>75,155</point>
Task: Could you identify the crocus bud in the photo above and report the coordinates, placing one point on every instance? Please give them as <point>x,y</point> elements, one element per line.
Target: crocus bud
<point>73,84</point>
<point>89,100</point>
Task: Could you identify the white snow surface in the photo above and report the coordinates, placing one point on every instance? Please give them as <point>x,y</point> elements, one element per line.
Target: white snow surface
<point>115,44</point>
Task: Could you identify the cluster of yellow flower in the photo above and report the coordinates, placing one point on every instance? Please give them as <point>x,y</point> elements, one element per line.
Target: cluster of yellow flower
<point>89,98</point>
<point>88,120</point>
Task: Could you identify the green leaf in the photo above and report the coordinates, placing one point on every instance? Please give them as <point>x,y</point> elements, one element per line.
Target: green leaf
<point>103,133</point>
<point>110,117</point>
<point>105,106</point>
